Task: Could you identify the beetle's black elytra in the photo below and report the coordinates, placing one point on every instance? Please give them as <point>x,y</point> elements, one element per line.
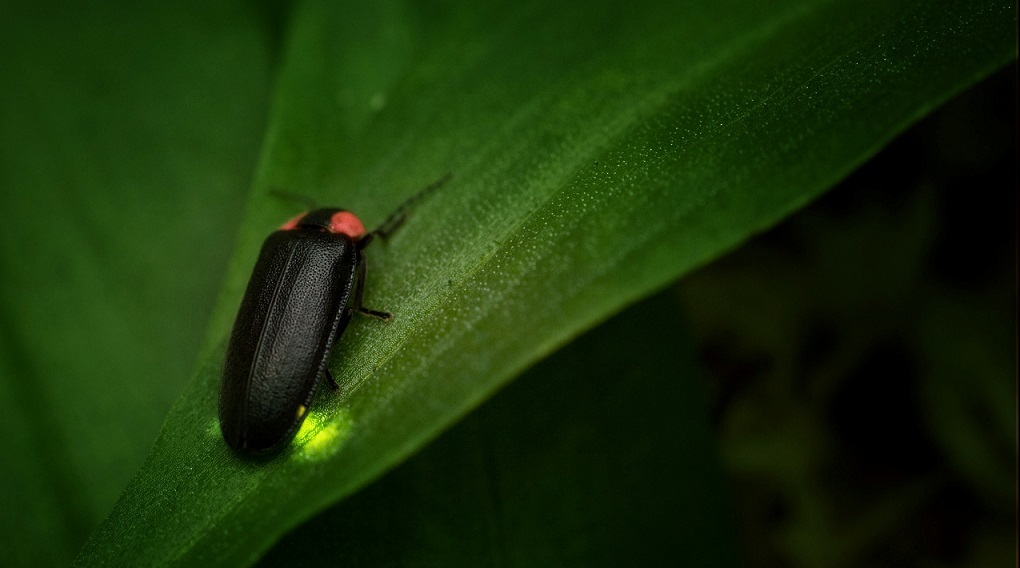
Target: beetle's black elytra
<point>305,287</point>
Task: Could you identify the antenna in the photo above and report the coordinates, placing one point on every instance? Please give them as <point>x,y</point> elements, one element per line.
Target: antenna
<point>308,202</point>
<point>398,217</point>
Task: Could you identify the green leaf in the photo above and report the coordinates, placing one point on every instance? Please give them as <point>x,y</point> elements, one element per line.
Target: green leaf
<point>585,460</point>
<point>600,151</point>
<point>128,135</point>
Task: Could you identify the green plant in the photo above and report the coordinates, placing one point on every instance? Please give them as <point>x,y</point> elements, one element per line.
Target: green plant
<point>600,151</point>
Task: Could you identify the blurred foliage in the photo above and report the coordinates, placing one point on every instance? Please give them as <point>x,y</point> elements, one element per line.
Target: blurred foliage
<point>862,356</point>
<point>128,136</point>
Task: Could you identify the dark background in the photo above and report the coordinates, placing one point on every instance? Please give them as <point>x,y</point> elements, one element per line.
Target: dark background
<point>861,355</point>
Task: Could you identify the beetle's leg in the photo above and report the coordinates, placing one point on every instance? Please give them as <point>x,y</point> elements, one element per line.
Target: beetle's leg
<point>332,381</point>
<point>384,316</point>
<point>360,283</point>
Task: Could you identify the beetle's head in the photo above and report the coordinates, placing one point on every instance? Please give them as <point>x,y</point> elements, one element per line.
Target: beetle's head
<point>330,220</point>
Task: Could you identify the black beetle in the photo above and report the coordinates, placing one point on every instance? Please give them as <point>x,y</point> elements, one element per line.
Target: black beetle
<point>307,284</point>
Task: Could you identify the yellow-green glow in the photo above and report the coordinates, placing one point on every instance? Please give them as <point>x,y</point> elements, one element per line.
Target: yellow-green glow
<point>320,435</point>
<point>307,429</point>
<point>214,428</point>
